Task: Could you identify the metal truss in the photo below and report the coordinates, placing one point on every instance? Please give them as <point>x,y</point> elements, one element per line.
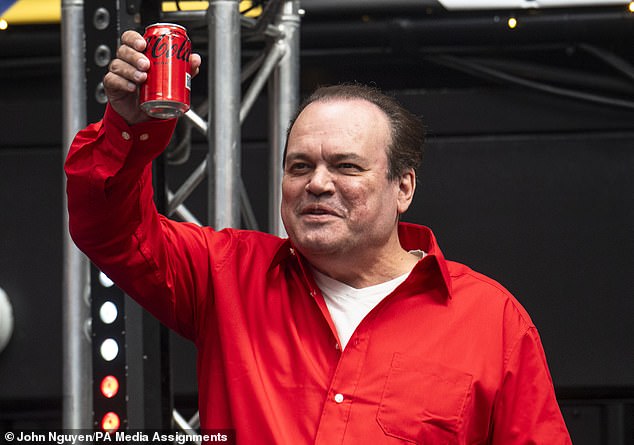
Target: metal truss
<point>221,116</point>
<point>218,118</point>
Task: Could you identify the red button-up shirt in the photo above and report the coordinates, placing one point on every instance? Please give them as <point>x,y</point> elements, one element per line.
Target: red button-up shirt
<point>449,357</point>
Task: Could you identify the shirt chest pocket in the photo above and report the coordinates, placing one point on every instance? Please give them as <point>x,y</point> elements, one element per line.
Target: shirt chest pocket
<point>423,402</point>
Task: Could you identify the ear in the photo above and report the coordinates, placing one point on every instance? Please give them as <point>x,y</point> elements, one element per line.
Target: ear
<point>406,188</point>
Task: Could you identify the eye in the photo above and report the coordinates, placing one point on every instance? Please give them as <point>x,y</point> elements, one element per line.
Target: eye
<point>349,167</point>
<point>298,168</point>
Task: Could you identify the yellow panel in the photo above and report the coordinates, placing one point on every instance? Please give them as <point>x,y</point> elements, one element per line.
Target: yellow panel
<point>49,11</point>
<point>246,4</point>
<point>25,12</point>
<point>185,6</point>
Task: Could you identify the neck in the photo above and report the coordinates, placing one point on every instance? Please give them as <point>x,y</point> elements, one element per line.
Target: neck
<point>366,269</point>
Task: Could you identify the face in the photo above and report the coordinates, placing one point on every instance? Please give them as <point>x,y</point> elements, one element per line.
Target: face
<point>336,196</point>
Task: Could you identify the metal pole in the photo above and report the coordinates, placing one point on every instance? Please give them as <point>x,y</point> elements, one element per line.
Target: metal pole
<point>77,368</point>
<point>224,106</point>
<point>284,99</point>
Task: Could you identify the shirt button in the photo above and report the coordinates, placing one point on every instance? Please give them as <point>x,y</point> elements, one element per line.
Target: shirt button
<point>338,398</point>
<point>144,137</point>
<point>125,135</point>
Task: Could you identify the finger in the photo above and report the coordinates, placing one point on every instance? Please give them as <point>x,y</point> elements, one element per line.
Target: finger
<point>133,39</point>
<point>114,83</point>
<point>195,61</point>
<point>127,71</point>
<point>133,57</point>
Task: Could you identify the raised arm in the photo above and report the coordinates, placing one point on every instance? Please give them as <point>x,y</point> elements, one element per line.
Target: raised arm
<point>112,216</point>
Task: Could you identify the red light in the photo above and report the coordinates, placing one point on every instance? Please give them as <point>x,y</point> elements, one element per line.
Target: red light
<point>110,422</point>
<point>109,386</point>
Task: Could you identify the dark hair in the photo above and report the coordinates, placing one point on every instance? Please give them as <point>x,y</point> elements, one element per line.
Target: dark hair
<point>407,131</point>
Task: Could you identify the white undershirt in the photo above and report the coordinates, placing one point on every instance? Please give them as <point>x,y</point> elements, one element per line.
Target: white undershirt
<point>348,305</point>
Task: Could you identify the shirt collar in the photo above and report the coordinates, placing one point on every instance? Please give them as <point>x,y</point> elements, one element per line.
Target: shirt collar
<point>412,237</point>
<point>416,237</point>
<point>284,251</point>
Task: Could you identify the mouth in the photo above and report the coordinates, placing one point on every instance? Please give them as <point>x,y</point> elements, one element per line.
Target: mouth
<point>317,211</point>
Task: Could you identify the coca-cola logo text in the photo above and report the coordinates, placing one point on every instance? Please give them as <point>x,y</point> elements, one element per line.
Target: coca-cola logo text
<point>159,47</point>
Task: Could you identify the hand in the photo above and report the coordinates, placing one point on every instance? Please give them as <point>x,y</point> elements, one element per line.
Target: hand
<point>129,70</point>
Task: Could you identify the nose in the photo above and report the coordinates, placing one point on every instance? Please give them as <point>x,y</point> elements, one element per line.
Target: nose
<point>321,181</point>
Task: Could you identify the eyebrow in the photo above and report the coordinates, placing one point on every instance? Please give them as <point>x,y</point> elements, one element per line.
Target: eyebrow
<point>294,157</point>
<point>346,157</point>
<point>338,157</point>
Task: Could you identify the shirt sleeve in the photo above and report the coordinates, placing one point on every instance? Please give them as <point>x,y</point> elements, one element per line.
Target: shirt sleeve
<point>113,220</point>
<point>526,409</point>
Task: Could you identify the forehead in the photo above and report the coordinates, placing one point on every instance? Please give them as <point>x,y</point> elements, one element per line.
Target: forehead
<point>343,122</point>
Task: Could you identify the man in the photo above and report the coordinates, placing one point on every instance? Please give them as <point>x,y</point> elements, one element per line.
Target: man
<point>355,330</point>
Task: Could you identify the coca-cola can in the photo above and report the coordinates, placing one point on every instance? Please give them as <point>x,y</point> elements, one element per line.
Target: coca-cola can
<point>166,92</point>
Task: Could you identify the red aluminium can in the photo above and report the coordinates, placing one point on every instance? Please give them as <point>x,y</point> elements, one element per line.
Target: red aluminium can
<point>166,92</point>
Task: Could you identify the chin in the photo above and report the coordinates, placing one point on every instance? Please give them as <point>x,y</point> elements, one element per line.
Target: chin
<point>317,239</point>
<point>312,247</point>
